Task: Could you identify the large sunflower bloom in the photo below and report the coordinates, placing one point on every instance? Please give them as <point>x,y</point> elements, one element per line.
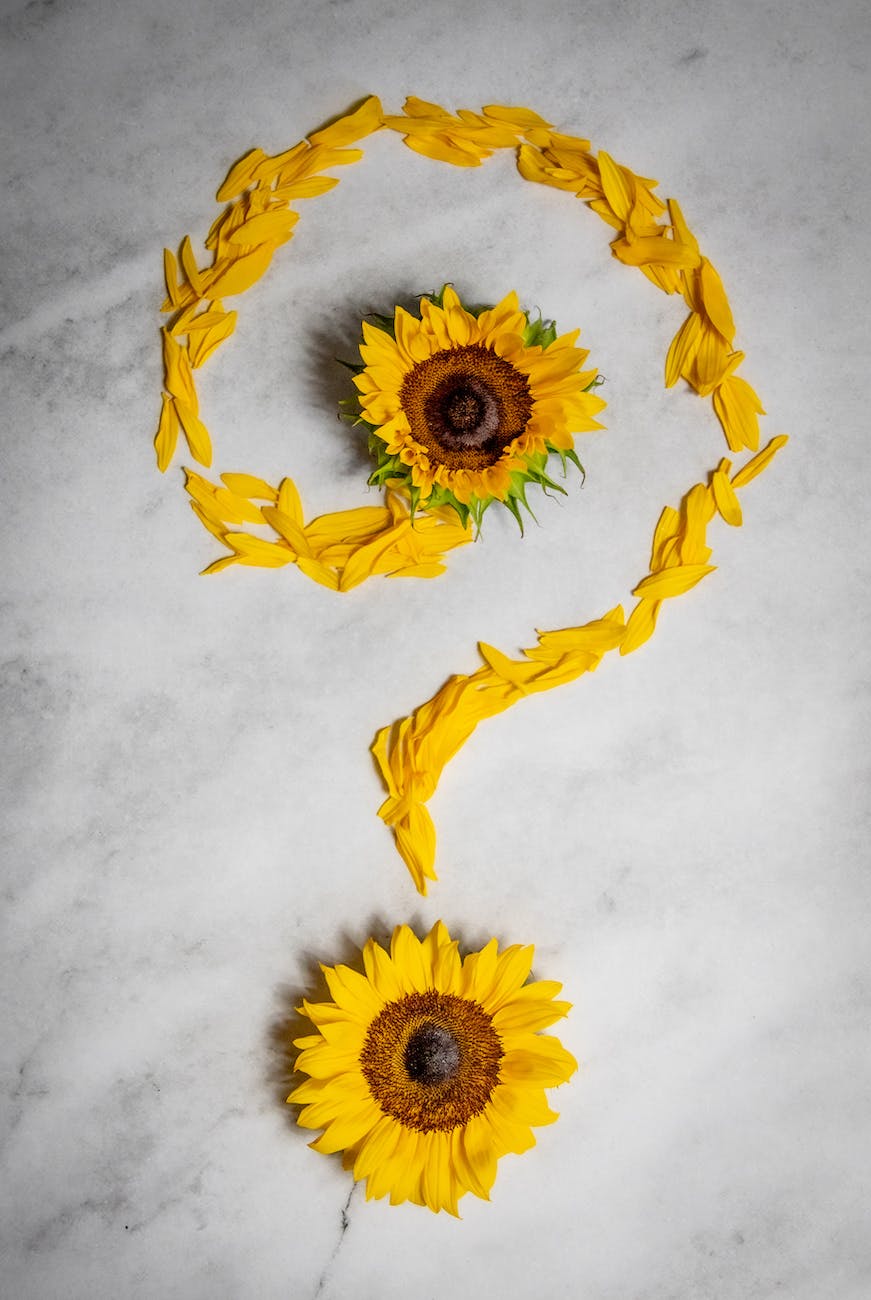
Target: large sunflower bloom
<point>428,1068</point>
<point>466,408</point>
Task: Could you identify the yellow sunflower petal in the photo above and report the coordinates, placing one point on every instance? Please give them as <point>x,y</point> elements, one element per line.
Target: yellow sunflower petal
<point>506,1135</point>
<point>353,992</point>
<point>195,431</point>
<point>759,462</point>
<point>473,1157</point>
<point>240,175</point>
<point>264,228</point>
<point>539,1060</point>
<point>672,582</point>
<point>738,407</point>
<point>166,438</point>
<point>509,974</point>
<point>640,625</point>
<point>377,1147</point>
<point>529,1015</point>
<point>352,126</point>
<point>683,349</point>
<point>234,277</point>
<point>407,955</point>
<point>408,1168</point>
<point>716,303</point>
<point>438,1184</point>
<point>381,971</point>
<point>441,150</point>
<point>524,1104</point>
<point>725,497</point>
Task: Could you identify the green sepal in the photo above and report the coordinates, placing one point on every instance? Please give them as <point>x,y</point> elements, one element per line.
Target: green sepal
<point>380,322</point>
<point>565,456</point>
<point>539,333</point>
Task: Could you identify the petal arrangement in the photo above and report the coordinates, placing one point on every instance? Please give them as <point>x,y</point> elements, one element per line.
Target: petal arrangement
<point>428,1068</point>
<point>342,549</point>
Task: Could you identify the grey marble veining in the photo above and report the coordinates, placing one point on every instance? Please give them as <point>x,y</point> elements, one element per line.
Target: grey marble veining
<point>188,822</point>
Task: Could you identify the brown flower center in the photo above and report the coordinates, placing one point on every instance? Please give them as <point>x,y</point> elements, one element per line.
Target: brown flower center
<point>431,1060</point>
<point>465,406</point>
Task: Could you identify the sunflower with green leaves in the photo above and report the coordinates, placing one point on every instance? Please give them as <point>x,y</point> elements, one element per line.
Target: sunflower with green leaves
<point>429,1067</point>
<point>467,407</point>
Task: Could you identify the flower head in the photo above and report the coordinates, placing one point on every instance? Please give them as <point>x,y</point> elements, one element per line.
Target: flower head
<point>465,408</point>
<point>427,1068</point>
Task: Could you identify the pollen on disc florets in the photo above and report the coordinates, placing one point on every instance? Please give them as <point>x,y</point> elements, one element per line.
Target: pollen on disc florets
<point>432,1054</point>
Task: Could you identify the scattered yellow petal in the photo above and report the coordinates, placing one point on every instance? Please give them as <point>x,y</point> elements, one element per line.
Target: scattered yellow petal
<point>170,275</point>
<point>517,672</point>
<point>362,562</point>
<point>697,513</point>
<point>217,565</point>
<point>666,531</point>
<point>196,433</point>
<point>318,572</point>
<point>353,126</point>
<point>240,175</point>
<point>514,115</point>
<point>716,303</point>
<point>289,529</point>
<point>240,505</point>
<point>247,485</point>
<point>189,265</point>
<point>759,462</point>
<point>202,343</point>
<point>167,432</point>
<point>254,550</point>
<point>208,521</point>
<point>655,250</point>
<point>682,349</point>
<point>724,496</point>
<point>738,409</point>
<point>672,582</point>
<point>178,378</point>
<point>235,277</point>
<point>273,168</point>
<point>618,186</point>
<point>309,187</point>
<point>640,625</point>
<point>289,502</point>
<point>415,107</point>
<point>431,147</point>
<point>262,229</point>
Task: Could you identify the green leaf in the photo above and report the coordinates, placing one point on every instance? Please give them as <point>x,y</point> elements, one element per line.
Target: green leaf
<point>380,322</point>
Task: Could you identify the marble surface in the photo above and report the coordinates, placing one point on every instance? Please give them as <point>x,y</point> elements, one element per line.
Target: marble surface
<point>189,807</point>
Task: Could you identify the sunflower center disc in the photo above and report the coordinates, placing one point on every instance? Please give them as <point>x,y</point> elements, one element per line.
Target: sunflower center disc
<point>432,1054</point>
<point>463,413</point>
<point>463,409</point>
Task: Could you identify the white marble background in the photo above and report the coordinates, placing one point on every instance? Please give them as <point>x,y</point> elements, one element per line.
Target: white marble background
<point>189,805</point>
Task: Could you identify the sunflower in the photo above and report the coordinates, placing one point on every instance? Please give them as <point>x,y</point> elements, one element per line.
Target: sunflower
<point>428,1068</point>
<point>466,408</point>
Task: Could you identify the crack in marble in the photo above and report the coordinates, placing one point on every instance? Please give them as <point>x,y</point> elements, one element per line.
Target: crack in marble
<point>345,1222</point>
